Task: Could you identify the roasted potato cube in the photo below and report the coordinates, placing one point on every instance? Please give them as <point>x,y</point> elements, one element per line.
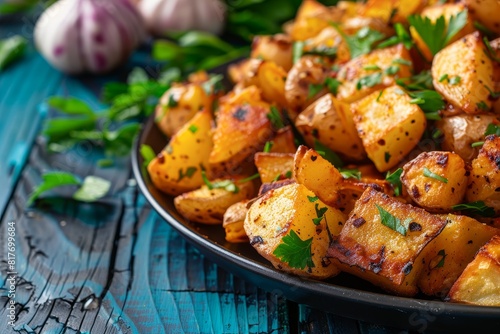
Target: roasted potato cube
<point>352,189</point>
<point>392,11</point>
<point>463,79</point>
<point>330,121</point>
<point>479,283</point>
<point>486,12</point>
<point>274,166</point>
<point>433,13</point>
<point>311,18</point>
<point>447,255</point>
<point>177,168</point>
<point>381,240</point>
<point>436,180</point>
<point>389,126</point>
<point>275,48</point>
<point>459,132</point>
<point>178,105</point>
<point>371,72</point>
<point>484,178</point>
<point>318,175</point>
<point>283,141</point>
<point>271,81</point>
<point>242,129</point>
<point>207,206</point>
<point>353,24</point>
<point>233,220</point>
<point>292,228</point>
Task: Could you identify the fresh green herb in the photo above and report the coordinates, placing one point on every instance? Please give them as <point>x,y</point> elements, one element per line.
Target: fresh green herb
<point>277,177</point>
<point>333,85</point>
<point>429,101</point>
<point>443,255</point>
<point>362,42</point>
<point>489,50</point>
<point>421,81</point>
<point>105,163</point>
<point>214,84</point>
<point>387,157</point>
<point>486,32</point>
<point>288,174</point>
<point>455,80</point>
<point>392,70</point>
<point>147,154</point>
<point>227,185</point>
<point>295,251</point>
<point>188,173</point>
<point>11,50</point>
<point>250,178</point>
<point>492,129</point>
<point>477,144</point>
<point>475,208</point>
<point>267,147</point>
<point>193,128</point>
<point>402,36</point>
<point>314,90</point>
<point>395,179</point>
<point>322,52</point>
<point>328,154</point>
<point>70,106</point>
<point>172,103</point>
<point>402,61</point>
<point>275,117</point>
<point>369,80</point>
<point>350,173</point>
<point>437,35</point>
<point>297,51</point>
<point>443,78</point>
<point>482,105</point>
<point>428,173</point>
<point>494,95</point>
<point>320,214</point>
<point>312,199</point>
<point>392,222</point>
<point>380,95</point>
<point>437,133</point>
<point>92,189</point>
<point>371,68</point>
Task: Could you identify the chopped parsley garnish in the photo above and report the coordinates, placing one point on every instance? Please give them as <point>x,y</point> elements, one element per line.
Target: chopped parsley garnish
<point>482,105</point>
<point>350,173</point>
<point>475,208</point>
<point>320,214</point>
<point>268,146</point>
<point>371,68</point>
<point>387,157</point>
<point>295,251</point>
<point>402,61</point>
<point>314,89</point>
<point>213,84</point>
<point>432,175</point>
<point>321,51</point>
<point>193,128</point>
<point>494,95</point>
<point>402,36</point>
<point>443,77</point>
<point>147,154</point>
<point>11,50</point>
<point>477,144</point>
<point>362,41</point>
<point>333,85</point>
<point>312,199</point>
<point>188,173</point>
<point>297,51</point>
<point>380,95</point>
<point>288,174</point>
<point>250,178</point>
<point>489,51</point>
<point>421,81</point>
<point>172,102</point>
<point>328,154</point>
<point>443,255</point>
<point>395,180</point>
<point>436,35</point>
<point>392,222</point>
<point>455,80</point>
<point>392,70</point>
<point>369,80</point>
<point>227,185</point>
<point>492,129</point>
<point>429,101</point>
<point>275,117</point>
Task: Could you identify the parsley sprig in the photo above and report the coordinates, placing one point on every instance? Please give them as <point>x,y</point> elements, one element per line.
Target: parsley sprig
<point>294,251</point>
<point>362,42</point>
<point>392,222</point>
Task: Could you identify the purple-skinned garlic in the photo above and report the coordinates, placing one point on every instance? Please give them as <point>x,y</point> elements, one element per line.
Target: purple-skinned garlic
<point>94,36</point>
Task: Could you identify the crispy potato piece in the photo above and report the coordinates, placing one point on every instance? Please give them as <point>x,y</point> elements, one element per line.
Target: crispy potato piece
<point>311,18</point>
<point>330,121</point>
<point>276,48</point>
<point>291,218</point>
<point>177,168</point>
<point>371,72</point>
<point>273,166</point>
<point>439,191</point>
<point>486,12</point>
<point>242,129</point>
<point>473,68</point>
<point>207,206</point>
<point>392,10</point>
<point>367,248</point>
<point>233,220</point>
<point>484,179</point>
<point>479,284</point>
<point>352,189</point>
<point>433,13</point>
<point>460,131</point>
<point>305,73</point>
<point>284,141</point>
<point>389,126</point>
<point>447,255</point>
<point>178,105</point>
<point>353,24</point>
<point>271,80</point>
<point>318,175</point>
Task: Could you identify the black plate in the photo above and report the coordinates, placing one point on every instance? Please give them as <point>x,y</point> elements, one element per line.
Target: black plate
<point>343,295</point>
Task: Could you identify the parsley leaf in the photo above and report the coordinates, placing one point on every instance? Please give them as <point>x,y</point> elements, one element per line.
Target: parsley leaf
<point>392,222</point>
<point>369,80</point>
<point>328,154</point>
<point>350,173</point>
<point>482,105</point>
<point>333,85</point>
<point>402,36</point>
<point>320,214</point>
<point>188,173</point>
<point>213,84</point>
<point>11,50</point>
<point>421,81</point>
<point>362,41</point>
<point>427,173</point>
<point>322,51</point>
<point>295,251</point>
<point>275,117</point>
<point>250,178</point>
<point>147,154</point>
<point>429,101</point>
<point>92,189</point>
<point>492,129</point>
<point>443,255</point>
<point>489,50</point>
<point>312,199</point>
<point>475,208</point>
<point>227,185</point>
<point>314,90</point>
<point>395,179</point>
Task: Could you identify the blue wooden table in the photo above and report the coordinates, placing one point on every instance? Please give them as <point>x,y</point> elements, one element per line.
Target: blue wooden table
<point>113,266</point>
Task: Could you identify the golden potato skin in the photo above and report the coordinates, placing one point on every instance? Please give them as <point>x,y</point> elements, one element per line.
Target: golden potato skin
<point>188,99</point>
<point>486,12</point>
<point>318,175</point>
<point>399,10</point>
<point>447,255</point>
<point>290,208</point>
<point>467,60</point>
<point>284,141</point>
<point>177,168</point>
<point>368,249</point>
<point>207,206</point>
<point>233,220</point>
<point>311,18</point>
<point>272,166</point>
<point>276,48</point>
<point>484,178</point>
<point>460,131</point>
<point>356,69</point>
<point>331,122</point>
<point>479,283</point>
<point>389,126</point>
<point>430,193</point>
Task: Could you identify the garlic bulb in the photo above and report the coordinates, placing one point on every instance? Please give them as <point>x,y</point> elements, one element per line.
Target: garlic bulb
<point>89,35</point>
<point>163,16</point>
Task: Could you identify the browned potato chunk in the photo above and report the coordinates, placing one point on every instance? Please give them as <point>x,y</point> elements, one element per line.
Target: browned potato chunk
<point>389,126</point>
<point>233,220</point>
<point>292,228</point>
<point>381,240</point>
<point>276,48</point>
<point>283,141</point>
<point>177,168</point>
<point>459,132</point>
<point>353,24</point>
<point>352,189</point>
<point>274,166</point>
<point>462,71</point>
<point>318,175</point>
<point>207,206</point>
<point>436,180</point>
<point>484,179</point>
<point>242,129</point>
<point>178,105</point>
<point>311,18</point>
<point>479,284</point>
<point>392,11</point>
<point>371,72</point>
<point>447,255</point>
<point>330,121</point>
<point>486,12</point>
